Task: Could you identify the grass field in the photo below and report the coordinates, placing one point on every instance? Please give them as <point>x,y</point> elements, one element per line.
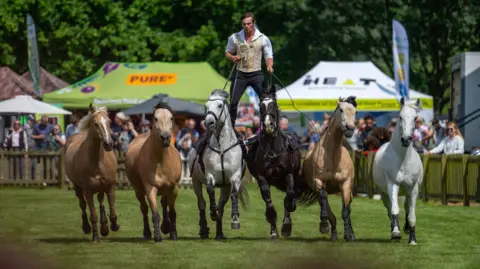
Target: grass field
<point>48,223</point>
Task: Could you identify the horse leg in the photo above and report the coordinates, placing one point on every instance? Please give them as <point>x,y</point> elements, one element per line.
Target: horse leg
<point>270,212</point>
<point>406,206</point>
<point>323,202</point>
<point>204,230</point>
<point>412,219</point>
<point>234,195</point>
<point>83,205</point>
<point>172,214</point>
<point>224,195</point>
<point>394,210</point>
<point>348,234</point>
<point>152,200</point>
<point>287,221</point>
<point>386,204</point>
<point>211,197</point>
<point>147,234</point>
<point>165,227</point>
<point>113,214</point>
<point>290,194</point>
<point>93,215</point>
<point>104,231</point>
<point>289,206</point>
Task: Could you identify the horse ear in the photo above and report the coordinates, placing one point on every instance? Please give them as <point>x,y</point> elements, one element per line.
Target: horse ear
<point>91,108</point>
<point>418,103</point>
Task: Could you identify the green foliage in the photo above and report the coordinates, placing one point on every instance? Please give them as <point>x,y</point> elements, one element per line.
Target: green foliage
<point>76,37</point>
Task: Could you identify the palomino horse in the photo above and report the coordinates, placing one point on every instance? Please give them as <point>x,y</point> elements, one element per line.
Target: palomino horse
<point>397,164</point>
<point>91,165</point>
<point>274,160</point>
<point>154,167</point>
<point>328,166</point>
<point>220,164</point>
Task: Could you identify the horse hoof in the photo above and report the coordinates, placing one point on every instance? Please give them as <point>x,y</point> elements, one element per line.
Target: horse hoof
<point>286,229</point>
<point>412,243</point>
<point>235,225</point>
<point>406,229</point>
<point>220,237</point>
<point>349,238</point>
<point>214,216</point>
<point>104,231</point>
<point>204,236</point>
<point>95,239</point>
<point>334,238</point>
<point>86,229</point>
<point>114,227</point>
<point>157,239</point>
<point>165,228</point>
<point>324,228</point>
<point>396,235</point>
<point>147,237</point>
<point>173,236</point>
<point>274,236</point>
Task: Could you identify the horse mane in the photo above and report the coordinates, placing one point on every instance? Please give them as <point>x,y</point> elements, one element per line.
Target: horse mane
<point>163,105</point>
<point>84,123</point>
<point>221,93</point>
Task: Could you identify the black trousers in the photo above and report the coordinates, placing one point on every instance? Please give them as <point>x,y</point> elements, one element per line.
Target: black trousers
<point>239,86</point>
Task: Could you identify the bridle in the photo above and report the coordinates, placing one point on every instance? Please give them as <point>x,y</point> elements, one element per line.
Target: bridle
<point>218,126</point>
<point>269,111</point>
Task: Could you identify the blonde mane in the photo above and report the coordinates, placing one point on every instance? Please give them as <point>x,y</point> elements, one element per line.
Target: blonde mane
<point>84,123</point>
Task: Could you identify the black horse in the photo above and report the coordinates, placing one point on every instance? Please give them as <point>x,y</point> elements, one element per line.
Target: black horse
<point>273,159</point>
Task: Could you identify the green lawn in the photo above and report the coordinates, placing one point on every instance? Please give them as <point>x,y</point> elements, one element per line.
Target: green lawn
<point>47,221</point>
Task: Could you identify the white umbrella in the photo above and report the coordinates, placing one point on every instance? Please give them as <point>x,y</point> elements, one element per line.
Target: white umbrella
<point>25,104</point>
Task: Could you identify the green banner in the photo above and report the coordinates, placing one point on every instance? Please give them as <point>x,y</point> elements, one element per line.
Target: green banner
<point>33,57</point>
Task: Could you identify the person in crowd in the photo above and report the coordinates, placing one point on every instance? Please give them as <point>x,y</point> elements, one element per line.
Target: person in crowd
<point>203,128</point>
<point>72,128</point>
<point>126,136</point>
<point>185,150</point>
<point>369,126</point>
<point>352,141</point>
<point>421,135</point>
<point>188,129</point>
<point>284,125</point>
<point>146,126</point>
<point>453,143</point>
<point>256,124</point>
<point>16,140</point>
<point>41,132</point>
<point>28,128</point>
<point>56,138</point>
<point>372,143</point>
<point>439,132</point>
<point>326,120</point>
<point>312,134</point>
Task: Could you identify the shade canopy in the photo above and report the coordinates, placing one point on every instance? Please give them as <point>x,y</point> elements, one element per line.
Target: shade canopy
<point>178,106</point>
<point>123,85</point>
<point>24,104</point>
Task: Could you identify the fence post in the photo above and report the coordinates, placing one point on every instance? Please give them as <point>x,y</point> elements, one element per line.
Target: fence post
<point>62,175</point>
<point>444,179</point>
<point>425,178</point>
<point>466,195</point>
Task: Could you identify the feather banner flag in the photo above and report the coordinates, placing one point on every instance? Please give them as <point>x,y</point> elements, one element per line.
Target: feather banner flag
<point>400,60</point>
<point>33,59</point>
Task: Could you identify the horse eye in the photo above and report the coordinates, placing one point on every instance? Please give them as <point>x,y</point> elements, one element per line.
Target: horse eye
<point>219,106</point>
<point>341,110</point>
<point>171,118</point>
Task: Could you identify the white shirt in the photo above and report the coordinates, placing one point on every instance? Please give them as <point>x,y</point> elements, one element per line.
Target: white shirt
<point>267,45</point>
<point>15,139</point>
<point>450,146</point>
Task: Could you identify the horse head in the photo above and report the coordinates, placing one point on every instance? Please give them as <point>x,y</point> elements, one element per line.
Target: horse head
<point>345,115</point>
<point>163,123</point>
<point>269,112</point>
<point>98,121</point>
<point>408,115</point>
<point>216,110</point>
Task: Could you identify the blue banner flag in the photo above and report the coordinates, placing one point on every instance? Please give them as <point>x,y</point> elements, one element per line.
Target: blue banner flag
<point>400,59</point>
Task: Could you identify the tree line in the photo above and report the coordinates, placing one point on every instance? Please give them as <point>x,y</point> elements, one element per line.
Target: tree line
<point>76,37</point>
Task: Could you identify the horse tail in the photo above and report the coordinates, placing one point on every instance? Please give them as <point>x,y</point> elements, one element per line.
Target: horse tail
<point>304,195</point>
<point>243,195</point>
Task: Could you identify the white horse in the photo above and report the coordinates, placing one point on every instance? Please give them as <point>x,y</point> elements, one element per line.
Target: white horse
<point>218,164</point>
<point>397,165</point>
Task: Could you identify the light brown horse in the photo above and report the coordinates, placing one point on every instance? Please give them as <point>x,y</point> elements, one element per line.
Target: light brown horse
<point>91,165</point>
<point>328,168</point>
<point>154,167</point>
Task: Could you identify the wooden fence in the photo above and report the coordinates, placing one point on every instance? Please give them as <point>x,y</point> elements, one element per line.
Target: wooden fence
<point>448,178</point>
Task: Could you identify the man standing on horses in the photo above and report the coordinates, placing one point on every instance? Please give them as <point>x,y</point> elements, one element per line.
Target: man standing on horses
<point>246,49</point>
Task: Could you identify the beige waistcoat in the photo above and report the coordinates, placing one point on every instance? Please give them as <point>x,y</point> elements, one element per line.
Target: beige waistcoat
<point>250,54</point>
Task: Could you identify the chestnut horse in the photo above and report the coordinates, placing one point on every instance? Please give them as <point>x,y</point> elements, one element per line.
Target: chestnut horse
<point>154,168</point>
<point>328,166</point>
<point>91,165</point>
